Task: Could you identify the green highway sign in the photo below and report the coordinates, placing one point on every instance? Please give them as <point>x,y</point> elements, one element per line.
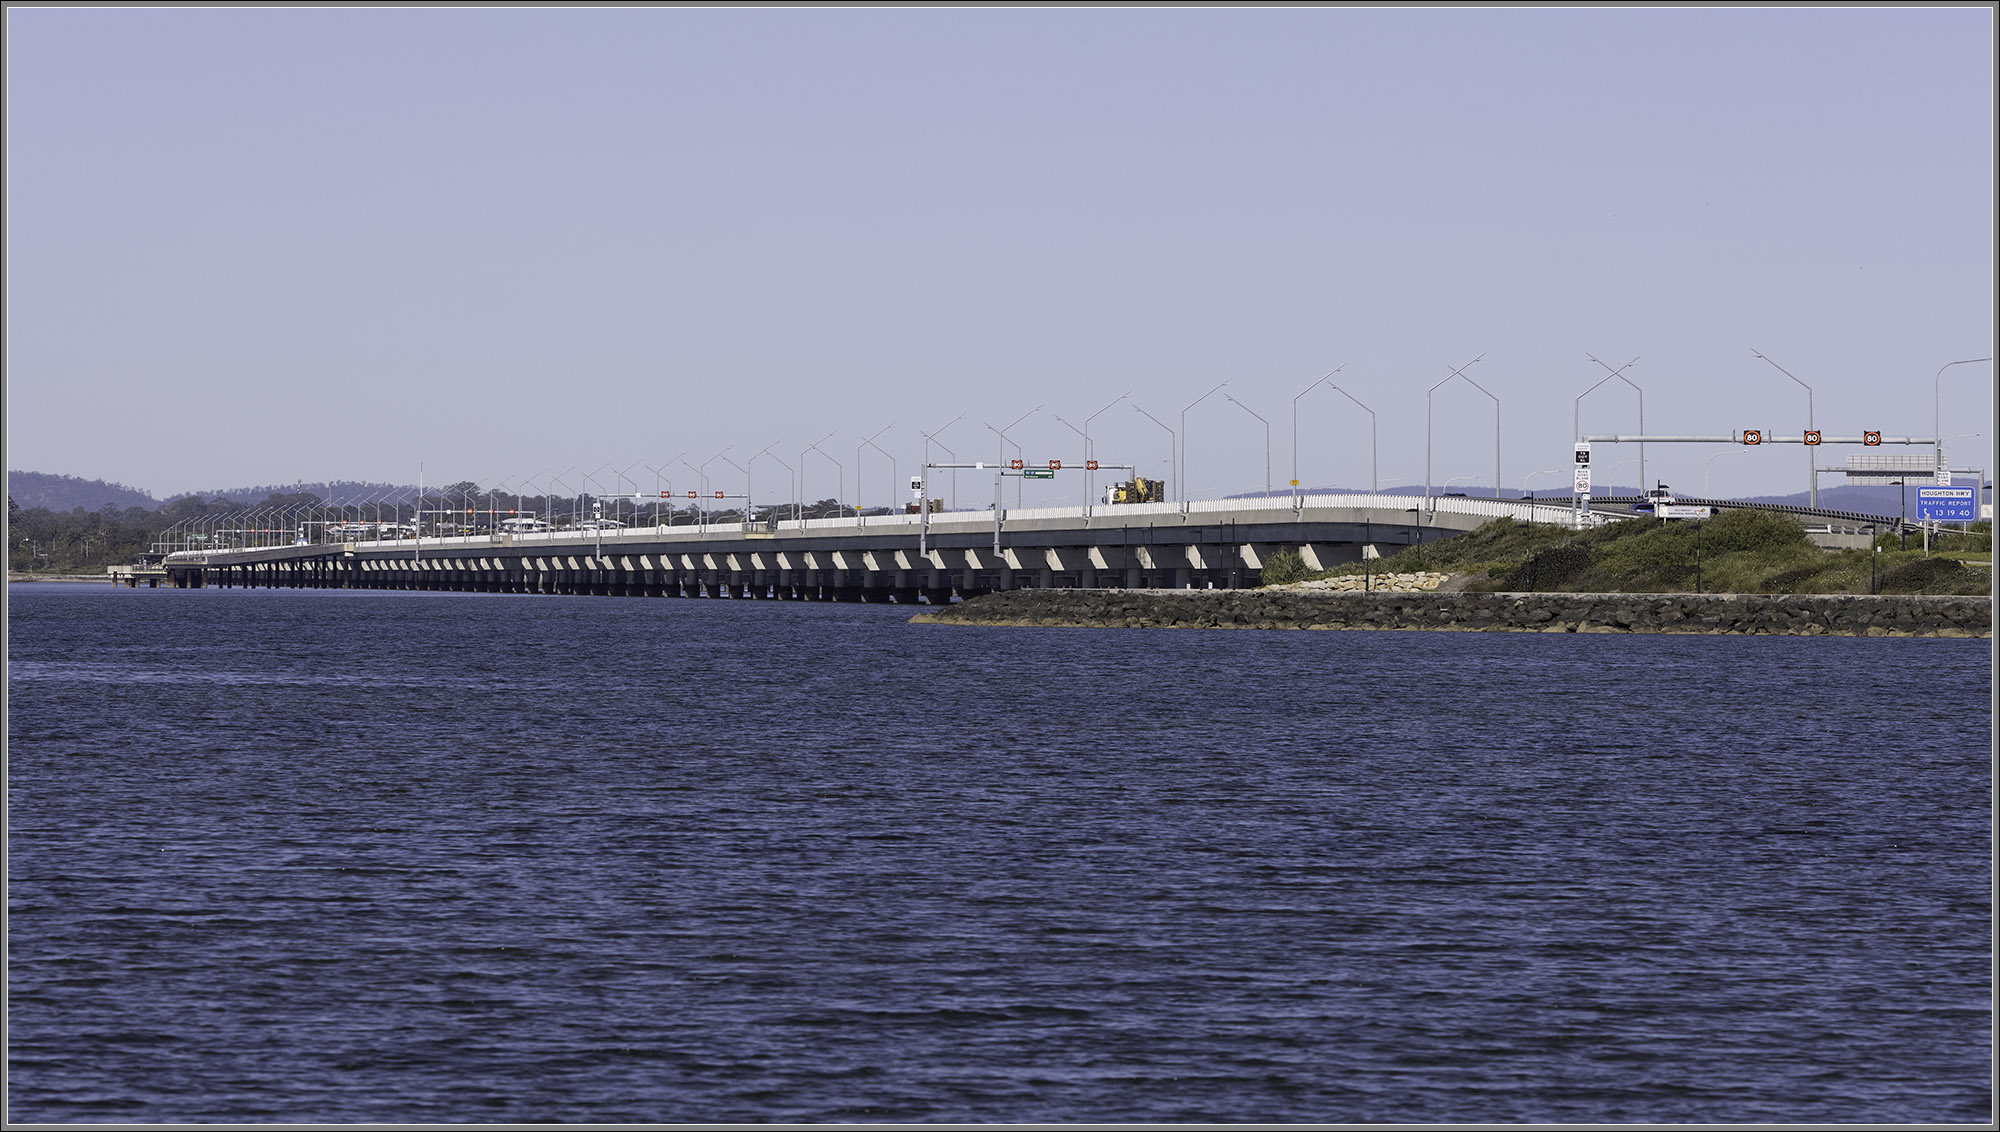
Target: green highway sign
<point>1039,474</point>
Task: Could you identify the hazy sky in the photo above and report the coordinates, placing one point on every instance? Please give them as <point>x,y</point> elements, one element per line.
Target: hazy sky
<point>263,246</point>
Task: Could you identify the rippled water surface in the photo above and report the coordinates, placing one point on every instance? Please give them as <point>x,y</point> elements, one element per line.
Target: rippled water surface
<point>387,857</point>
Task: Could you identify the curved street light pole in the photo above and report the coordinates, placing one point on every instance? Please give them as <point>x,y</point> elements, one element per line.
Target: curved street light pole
<point>1374,447</point>
<point>1090,452</point>
<point>586,484</point>
<point>932,439</point>
<point>635,488</point>
<point>1086,456</point>
<point>839,472</point>
<point>1978,488</point>
<point>1327,380</point>
<point>660,475</point>
<point>519,503</point>
<point>870,443</point>
<point>1812,477</point>
<point>662,485</point>
<point>746,487</point>
<point>1937,406</point>
<point>1185,493</point>
<point>1173,438</point>
<point>1530,478</point>
<point>1005,441</point>
<point>1267,440</point>
<point>701,489</point>
<point>1706,491</point>
<point>1576,410</point>
<point>1524,488</point>
<point>551,483</point>
<point>752,462</point>
<point>928,437</point>
<point>702,473</point>
<point>497,487</point>
<point>1460,372</point>
<point>997,481</point>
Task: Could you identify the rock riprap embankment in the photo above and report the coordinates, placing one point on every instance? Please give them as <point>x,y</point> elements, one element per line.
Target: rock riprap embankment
<point>1383,583</point>
<point>1785,614</point>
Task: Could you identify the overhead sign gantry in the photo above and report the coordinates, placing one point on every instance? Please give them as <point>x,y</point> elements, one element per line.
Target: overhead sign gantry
<point>1749,437</point>
<point>1019,469</point>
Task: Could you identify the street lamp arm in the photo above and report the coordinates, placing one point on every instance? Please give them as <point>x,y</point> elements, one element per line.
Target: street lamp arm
<point>1205,396</point>
<point>1937,393</point>
<point>1017,420</point>
<point>936,431</point>
<point>1107,407</point>
<point>1245,408</point>
<point>1481,388</point>
<point>1183,436</point>
<point>1460,372</point>
<point>1783,370</point>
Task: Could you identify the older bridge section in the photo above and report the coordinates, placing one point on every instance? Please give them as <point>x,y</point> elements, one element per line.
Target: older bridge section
<point>900,558</point>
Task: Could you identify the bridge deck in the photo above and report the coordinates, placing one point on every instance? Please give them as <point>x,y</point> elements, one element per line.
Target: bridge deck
<point>1220,544</point>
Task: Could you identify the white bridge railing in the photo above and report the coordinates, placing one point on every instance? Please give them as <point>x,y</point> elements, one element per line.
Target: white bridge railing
<point>1274,508</point>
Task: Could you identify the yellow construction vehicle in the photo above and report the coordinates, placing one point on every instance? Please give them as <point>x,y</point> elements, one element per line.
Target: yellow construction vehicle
<point>1140,490</point>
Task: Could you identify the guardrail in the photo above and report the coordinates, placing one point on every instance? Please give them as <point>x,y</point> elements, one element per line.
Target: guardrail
<point>1539,511</point>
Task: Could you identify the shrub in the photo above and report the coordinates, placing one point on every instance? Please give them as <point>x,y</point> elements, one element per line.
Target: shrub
<point>1926,575</point>
<point>1759,531</point>
<point>1548,569</point>
<point>1284,567</point>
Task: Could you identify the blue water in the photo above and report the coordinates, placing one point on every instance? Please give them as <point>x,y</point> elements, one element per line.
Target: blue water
<point>393,857</point>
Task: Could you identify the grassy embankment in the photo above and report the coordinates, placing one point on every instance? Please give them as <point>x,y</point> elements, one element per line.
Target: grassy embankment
<point>1741,552</point>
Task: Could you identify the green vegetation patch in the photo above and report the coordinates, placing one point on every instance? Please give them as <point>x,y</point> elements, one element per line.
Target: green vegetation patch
<point>1738,551</point>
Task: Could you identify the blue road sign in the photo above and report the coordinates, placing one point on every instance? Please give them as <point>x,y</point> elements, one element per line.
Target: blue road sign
<point>1946,504</point>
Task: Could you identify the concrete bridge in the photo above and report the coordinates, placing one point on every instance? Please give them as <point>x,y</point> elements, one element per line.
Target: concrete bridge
<point>900,558</point>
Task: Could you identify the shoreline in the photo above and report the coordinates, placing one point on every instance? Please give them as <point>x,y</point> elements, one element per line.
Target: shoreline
<point>1808,615</point>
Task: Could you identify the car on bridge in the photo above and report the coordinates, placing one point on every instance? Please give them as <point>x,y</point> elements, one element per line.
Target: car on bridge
<point>1656,498</point>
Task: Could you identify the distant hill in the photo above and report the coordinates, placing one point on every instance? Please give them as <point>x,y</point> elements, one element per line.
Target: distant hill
<point>65,493</point>
<point>340,491</point>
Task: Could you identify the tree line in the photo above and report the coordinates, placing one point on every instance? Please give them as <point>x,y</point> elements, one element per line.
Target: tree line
<point>78,540</point>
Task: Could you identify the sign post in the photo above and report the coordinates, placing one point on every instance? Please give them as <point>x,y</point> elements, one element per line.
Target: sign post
<point>1582,481</point>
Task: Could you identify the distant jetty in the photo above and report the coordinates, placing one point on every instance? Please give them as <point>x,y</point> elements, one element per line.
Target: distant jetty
<point>1846,615</point>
